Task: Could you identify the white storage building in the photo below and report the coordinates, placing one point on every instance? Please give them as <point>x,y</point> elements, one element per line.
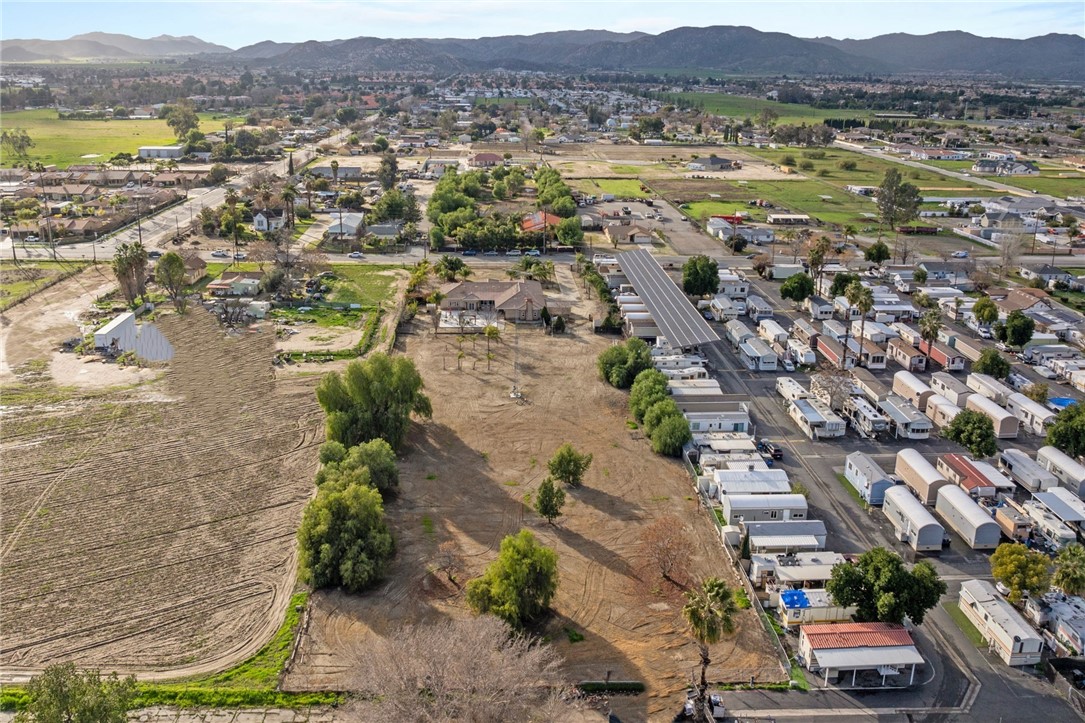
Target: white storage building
<point>912,522</point>
<point>989,387</point>
<point>1070,472</point>
<point>977,528</point>
<point>1033,416</point>
<point>920,475</point>
<point>1025,471</point>
<point>941,411</point>
<point>1009,635</point>
<point>1006,425</point>
<point>867,477</point>
<point>950,387</point>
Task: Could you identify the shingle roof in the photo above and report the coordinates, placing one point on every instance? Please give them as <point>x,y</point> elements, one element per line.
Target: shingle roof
<point>856,635</point>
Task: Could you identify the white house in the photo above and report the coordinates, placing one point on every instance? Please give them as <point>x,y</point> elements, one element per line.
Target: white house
<point>268,219</point>
<point>347,225</point>
<point>1009,635</point>
<point>161,151</point>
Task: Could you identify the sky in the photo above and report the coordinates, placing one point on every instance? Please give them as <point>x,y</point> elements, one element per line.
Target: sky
<point>236,23</point>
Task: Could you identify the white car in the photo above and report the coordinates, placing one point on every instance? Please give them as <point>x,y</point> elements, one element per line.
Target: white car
<point>960,254</point>
<point>789,366</point>
<point>355,255</point>
<point>220,254</point>
<point>512,252</point>
<point>534,252</point>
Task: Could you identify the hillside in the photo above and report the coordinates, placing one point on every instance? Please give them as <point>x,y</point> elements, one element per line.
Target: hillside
<point>105,46</point>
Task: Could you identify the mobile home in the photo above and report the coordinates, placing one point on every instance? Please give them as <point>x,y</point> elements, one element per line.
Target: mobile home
<point>834,353</point>
<point>867,477</point>
<point>908,334</point>
<point>737,332</point>
<point>757,356</point>
<point>722,309</point>
<point>943,355</point>
<point>790,389</point>
<point>801,353</point>
<point>733,284</point>
<point>906,355</point>
<point>1034,417</point>
<point>1014,524</point>
<point>970,348</point>
<point>762,508</point>
<point>1070,472</point>
<point>757,308</point>
<point>912,522</point>
<point>771,332</point>
<point>978,479</point>
<point>1006,425</point>
<point>941,411</point>
<point>819,308</point>
<point>976,527</point>
<point>864,418</point>
<point>815,419</point>
<point>868,384</point>
<point>989,387</point>
<point>910,387</point>
<point>950,387</point>
<point>870,355</point>
<point>802,330</point>
<point>1025,471</point>
<point>905,421</point>
<point>920,475</point>
<point>1006,632</point>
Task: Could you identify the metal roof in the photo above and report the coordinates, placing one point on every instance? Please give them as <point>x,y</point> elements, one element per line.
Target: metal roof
<point>857,635</point>
<point>868,658</point>
<point>793,542</point>
<point>678,320</point>
<point>1062,508</point>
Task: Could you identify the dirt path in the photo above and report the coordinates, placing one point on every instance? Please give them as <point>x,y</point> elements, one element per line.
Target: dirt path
<point>153,531</point>
<point>465,477</point>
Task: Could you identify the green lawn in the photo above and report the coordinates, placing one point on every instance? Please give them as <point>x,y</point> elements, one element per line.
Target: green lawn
<point>64,142</point>
<point>854,493</point>
<point>1051,185</point>
<point>740,107</point>
<point>966,626</point>
<point>365,284</point>
<point>301,226</point>
<point>620,188</point>
<point>797,196</point>
<point>18,281</point>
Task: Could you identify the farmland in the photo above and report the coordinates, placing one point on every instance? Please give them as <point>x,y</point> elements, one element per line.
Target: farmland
<point>740,107</point>
<point>468,477</point>
<point>619,188</point>
<point>64,142</point>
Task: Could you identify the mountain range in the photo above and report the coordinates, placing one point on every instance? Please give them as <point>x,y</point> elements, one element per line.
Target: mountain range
<point>723,49</point>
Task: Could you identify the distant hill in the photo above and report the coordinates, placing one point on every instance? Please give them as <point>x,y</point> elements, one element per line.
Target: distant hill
<point>1054,56</point>
<point>105,46</point>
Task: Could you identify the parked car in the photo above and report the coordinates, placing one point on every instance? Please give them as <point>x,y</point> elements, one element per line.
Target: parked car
<point>470,252</point>
<point>31,239</point>
<point>984,332</point>
<point>355,255</point>
<point>512,252</point>
<point>219,254</point>
<point>240,256</point>
<point>533,252</point>
<point>770,448</point>
<point>789,366</point>
<point>960,254</point>
<point>154,254</point>
<point>489,253</point>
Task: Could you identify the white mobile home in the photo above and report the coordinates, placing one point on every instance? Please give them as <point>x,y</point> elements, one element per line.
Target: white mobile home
<point>864,418</point>
<point>988,387</point>
<point>871,331</point>
<point>733,285</point>
<point>867,477</point>
<point>721,420</point>
<point>905,421</point>
<point>793,571</point>
<point>977,528</point>
<point>1070,472</point>
<point>950,387</point>
<point>1006,425</point>
<point>1025,471</point>
<point>762,508</point>
<point>920,475</point>
<point>757,356</point>
<point>1034,417</point>
<point>908,334</point>
<point>757,308</point>
<point>771,332</point>
<point>815,419</point>
<point>737,332</point>
<point>870,355</point>
<point>790,389</point>
<point>834,330</point>
<point>722,309</point>
<point>906,355</point>
<point>801,353</point>
<point>819,308</point>
<point>729,482</point>
<point>790,536</point>
<point>1008,634</point>
<point>1046,523</point>
<point>910,387</point>
<point>874,391</point>
<point>941,411</point>
<point>912,522</point>
<point>845,310</point>
<point>970,348</point>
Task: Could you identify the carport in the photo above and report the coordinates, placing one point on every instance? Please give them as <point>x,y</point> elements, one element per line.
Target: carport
<point>678,320</point>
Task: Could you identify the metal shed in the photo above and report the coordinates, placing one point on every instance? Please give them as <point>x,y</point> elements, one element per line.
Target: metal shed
<point>1006,425</point>
<point>977,528</point>
<point>920,475</point>
<point>911,521</point>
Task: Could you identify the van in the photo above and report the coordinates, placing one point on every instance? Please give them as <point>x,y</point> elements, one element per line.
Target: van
<point>1018,382</point>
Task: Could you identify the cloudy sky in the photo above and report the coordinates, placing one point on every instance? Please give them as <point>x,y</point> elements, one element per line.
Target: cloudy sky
<point>236,23</point>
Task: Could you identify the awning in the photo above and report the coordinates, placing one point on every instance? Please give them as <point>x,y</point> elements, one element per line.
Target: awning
<point>867,658</point>
<point>791,542</point>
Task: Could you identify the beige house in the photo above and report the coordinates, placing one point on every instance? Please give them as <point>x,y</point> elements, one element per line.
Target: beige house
<point>519,301</point>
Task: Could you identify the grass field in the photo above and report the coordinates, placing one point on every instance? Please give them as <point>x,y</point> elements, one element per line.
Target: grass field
<point>619,188</point>
<point>365,284</point>
<point>740,107</point>
<point>63,142</point>
<point>798,196</point>
<point>16,282</point>
<point>1051,185</point>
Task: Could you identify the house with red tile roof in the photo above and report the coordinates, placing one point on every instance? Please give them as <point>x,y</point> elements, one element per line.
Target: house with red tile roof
<point>879,650</point>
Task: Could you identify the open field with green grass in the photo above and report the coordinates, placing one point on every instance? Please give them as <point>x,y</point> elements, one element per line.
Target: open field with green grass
<point>1052,185</point>
<point>740,107</point>
<point>619,188</point>
<point>798,196</point>
<point>365,284</point>
<point>64,142</point>
<point>19,281</point>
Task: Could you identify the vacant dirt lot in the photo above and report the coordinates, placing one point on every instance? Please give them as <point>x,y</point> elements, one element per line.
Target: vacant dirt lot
<point>466,477</point>
<point>151,528</point>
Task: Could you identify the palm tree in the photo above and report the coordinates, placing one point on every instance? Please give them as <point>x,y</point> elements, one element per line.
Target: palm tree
<point>849,233</point>
<point>289,194</point>
<point>862,298</point>
<point>1070,570</point>
<point>929,326</point>
<point>709,612</point>
<point>492,333</point>
<point>335,172</point>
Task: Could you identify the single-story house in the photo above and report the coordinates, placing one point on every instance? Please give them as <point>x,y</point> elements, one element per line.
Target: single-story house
<point>347,225</point>
<point>385,231</point>
<point>485,160</point>
<point>268,219</point>
<point>510,300</point>
<point>195,268</point>
<point>1046,273</point>
<point>539,221</point>
<point>628,234</point>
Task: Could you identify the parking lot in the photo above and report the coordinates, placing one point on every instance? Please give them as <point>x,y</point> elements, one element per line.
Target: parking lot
<point>682,235</point>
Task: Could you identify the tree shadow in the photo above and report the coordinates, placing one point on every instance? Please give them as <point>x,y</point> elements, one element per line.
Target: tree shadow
<point>595,551</point>
<point>611,505</point>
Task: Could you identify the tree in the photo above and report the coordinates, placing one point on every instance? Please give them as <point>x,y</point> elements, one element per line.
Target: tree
<point>63,694</point>
<point>797,287</point>
<point>700,276</point>
<point>862,298</point>
<point>1017,329</point>
<point>1037,392</point>
<point>570,232</point>
<point>372,463</point>
<point>884,590</point>
<point>380,144</point>
<point>476,669</point>
<point>388,170</point>
<point>373,399</point>
<point>973,431</point>
<point>218,173</point>
<point>929,326</point>
<point>620,364</point>
<point>182,119</point>
<point>710,614</point>
<point>449,267</point>
<point>878,252</point>
<point>130,267</point>
<point>665,548</point>
<point>985,310</point>
<point>16,144</point>
<point>992,363</point>
<point>169,273</point>
<point>670,435</point>
<point>648,388</point>
<point>840,284</point>
<point>919,276</point>
<point>549,499</point>
<point>519,585</point>
<point>1021,570</point>
<point>568,466</point>
<point>343,540</point>
<point>1067,432</point>
<point>658,413</point>
<point>1070,570</point>
<point>898,202</point>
